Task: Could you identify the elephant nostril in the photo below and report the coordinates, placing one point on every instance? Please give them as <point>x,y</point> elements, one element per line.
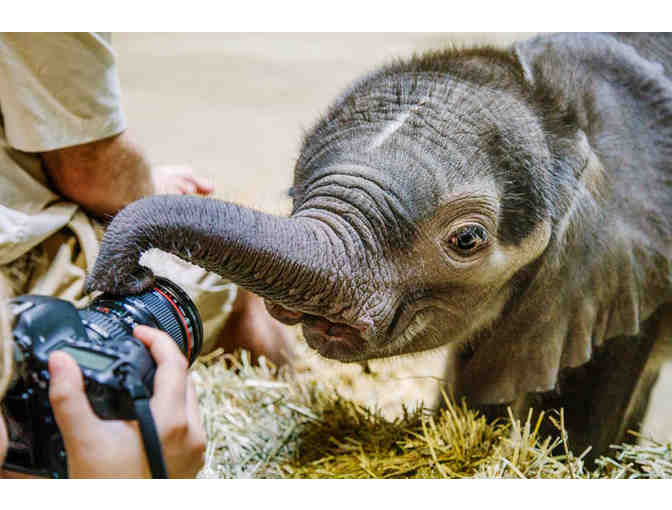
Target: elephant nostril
<point>321,325</point>
<point>325,327</point>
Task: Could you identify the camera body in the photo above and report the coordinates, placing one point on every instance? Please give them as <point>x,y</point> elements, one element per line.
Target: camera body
<point>99,338</point>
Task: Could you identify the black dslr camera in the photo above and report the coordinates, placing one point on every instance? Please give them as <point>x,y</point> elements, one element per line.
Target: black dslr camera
<point>117,367</point>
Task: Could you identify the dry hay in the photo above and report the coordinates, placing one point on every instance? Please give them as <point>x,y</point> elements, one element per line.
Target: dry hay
<point>268,423</point>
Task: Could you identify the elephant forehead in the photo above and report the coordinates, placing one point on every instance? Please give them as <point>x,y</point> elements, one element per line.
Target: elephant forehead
<point>441,108</point>
<point>432,147</point>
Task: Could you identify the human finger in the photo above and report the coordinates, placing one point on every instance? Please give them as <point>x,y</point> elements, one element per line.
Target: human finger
<point>203,185</point>
<point>171,371</point>
<point>192,440</point>
<point>185,186</point>
<point>194,411</point>
<point>74,416</point>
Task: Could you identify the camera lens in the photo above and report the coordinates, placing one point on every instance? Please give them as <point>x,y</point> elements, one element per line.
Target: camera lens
<point>164,306</point>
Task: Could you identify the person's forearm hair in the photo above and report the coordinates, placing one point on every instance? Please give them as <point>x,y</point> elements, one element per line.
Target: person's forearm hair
<point>102,176</point>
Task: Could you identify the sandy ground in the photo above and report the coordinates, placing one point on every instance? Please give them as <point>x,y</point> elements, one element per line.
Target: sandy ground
<point>234,106</point>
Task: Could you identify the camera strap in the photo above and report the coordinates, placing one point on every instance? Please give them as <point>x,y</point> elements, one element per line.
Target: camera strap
<point>150,436</point>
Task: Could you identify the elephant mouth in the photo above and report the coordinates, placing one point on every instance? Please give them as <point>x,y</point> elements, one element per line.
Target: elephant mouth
<point>334,340</point>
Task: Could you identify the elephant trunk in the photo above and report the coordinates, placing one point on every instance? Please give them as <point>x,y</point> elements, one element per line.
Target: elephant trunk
<point>291,261</point>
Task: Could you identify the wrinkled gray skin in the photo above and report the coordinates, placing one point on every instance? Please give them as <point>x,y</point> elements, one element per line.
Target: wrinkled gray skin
<point>516,204</point>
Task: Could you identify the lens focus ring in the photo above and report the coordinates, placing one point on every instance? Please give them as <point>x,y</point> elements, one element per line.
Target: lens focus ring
<point>166,316</point>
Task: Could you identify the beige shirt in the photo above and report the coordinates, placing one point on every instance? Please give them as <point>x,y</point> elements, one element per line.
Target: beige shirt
<point>56,90</point>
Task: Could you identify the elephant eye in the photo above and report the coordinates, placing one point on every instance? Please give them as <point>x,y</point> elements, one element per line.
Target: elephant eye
<point>467,239</point>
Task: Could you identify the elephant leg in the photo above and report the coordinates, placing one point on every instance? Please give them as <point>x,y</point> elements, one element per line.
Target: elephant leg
<point>604,398</point>
<point>600,400</point>
<point>641,398</point>
<point>608,395</point>
<point>658,419</point>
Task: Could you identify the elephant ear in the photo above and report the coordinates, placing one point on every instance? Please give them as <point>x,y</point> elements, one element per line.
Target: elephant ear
<point>598,278</point>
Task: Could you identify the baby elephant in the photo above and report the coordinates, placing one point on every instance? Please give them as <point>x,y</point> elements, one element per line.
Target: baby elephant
<point>515,204</point>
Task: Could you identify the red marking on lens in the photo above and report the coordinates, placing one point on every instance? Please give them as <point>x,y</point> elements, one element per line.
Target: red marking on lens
<point>184,321</point>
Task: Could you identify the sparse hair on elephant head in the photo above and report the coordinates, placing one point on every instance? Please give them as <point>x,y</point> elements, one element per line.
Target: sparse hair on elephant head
<point>514,203</point>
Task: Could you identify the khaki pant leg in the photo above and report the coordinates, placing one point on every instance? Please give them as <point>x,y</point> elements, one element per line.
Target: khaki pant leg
<point>57,266</point>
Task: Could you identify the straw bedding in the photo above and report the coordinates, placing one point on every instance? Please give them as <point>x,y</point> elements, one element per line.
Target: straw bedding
<point>314,421</point>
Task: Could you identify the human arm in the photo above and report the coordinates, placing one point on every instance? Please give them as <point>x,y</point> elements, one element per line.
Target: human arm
<point>106,175</point>
<point>102,176</point>
<point>113,448</point>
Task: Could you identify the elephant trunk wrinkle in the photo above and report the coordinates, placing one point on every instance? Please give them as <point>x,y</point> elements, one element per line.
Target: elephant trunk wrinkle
<point>291,261</point>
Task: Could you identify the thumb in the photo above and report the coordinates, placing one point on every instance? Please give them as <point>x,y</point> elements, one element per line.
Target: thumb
<point>71,407</point>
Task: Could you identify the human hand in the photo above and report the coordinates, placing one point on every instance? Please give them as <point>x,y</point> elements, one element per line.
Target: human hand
<point>113,448</point>
<point>179,180</point>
